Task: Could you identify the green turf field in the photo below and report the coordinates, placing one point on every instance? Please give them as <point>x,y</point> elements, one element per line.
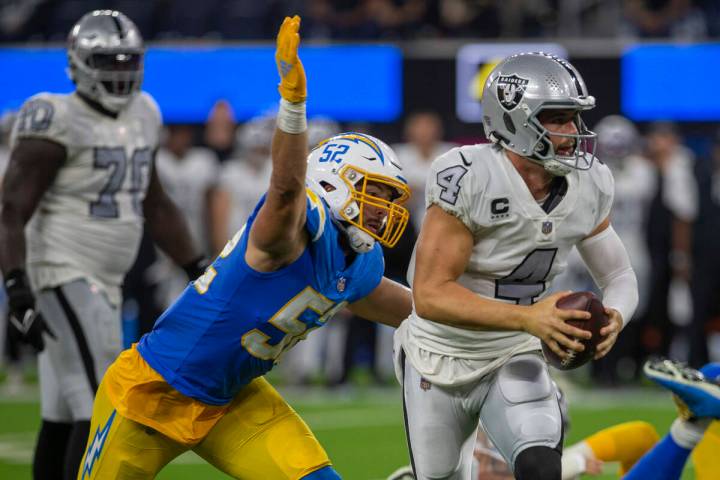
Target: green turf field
<point>362,430</point>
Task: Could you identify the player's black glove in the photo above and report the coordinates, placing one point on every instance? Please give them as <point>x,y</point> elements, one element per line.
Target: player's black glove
<point>196,268</point>
<point>25,322</point>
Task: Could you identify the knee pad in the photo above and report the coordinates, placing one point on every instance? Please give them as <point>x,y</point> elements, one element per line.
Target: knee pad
<point>538,463</point>
<point>523,410</point>
<point>325,473</point>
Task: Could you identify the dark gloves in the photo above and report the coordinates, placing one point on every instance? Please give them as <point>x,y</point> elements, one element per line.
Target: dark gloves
<point>25,321</point>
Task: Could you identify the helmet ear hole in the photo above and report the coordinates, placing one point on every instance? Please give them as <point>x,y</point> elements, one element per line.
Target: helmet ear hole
<point>326,186</point>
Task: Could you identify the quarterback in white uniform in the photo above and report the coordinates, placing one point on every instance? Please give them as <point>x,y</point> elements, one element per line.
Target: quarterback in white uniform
<point>500,223</point>
<point>82,167</point>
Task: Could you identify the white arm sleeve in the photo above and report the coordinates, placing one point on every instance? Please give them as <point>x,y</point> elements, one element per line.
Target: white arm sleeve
<point>609,264</point>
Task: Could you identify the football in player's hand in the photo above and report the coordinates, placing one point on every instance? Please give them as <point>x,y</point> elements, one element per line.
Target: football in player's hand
<point>586,301</point>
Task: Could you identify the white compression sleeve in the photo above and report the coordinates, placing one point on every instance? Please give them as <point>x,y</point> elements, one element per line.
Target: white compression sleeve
<point>609,264</point>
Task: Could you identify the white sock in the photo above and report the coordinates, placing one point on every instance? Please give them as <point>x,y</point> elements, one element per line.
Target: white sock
<point>688,434</point>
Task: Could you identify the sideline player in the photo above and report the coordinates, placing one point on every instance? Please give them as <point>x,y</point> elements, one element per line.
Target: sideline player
<point>501,221</point>
<point>195,382</point>
<point>83,164</point>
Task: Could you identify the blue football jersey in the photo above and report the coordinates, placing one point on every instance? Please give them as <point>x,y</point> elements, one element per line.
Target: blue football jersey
<point>233,323</point>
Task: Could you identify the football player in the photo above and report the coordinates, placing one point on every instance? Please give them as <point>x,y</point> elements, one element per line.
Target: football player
<point>634,445</point>
<point>82,166</point>
<point>697,395</point>
<point>311,247</point>
<point>501,220</point>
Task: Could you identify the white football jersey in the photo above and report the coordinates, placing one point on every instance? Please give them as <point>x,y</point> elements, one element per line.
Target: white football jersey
<point>246,185</point>
<point>88,223</point>
<point>519,249</point>
<point>187,181</point>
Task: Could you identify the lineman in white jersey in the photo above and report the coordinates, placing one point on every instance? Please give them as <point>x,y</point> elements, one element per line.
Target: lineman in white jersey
<point>82,166</point>
<point>500,223</point>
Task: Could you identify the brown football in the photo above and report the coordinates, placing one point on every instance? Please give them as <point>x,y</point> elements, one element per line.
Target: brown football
<point>580,301</point>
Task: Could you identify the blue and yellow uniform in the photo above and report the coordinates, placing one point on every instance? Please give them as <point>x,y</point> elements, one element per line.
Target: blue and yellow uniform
<point>195,381</point>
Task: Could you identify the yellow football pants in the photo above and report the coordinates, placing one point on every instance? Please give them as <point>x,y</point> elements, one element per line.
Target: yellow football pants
<point>706,455</point>
<point>260,437</point>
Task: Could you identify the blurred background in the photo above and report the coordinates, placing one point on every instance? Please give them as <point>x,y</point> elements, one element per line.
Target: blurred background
<point>410,72</point>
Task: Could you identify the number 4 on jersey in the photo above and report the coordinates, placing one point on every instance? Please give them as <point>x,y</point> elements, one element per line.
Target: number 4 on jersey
<point>449,180</point>
<point>527,281</point>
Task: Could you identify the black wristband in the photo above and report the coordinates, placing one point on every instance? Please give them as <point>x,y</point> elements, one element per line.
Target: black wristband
<point>18,290</point>
<point>195,268</point>
<point>16,279</point>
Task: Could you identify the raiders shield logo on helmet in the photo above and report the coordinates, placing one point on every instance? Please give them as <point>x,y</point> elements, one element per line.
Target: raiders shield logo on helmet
<point>510,90</point>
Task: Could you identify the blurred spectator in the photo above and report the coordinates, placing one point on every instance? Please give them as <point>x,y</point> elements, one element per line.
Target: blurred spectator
<point>190,177</point>
<point>220,130</point>
<point>250,19</point>
<point>366,19</point>
<point>673,208</point>
<point>470,18</point>
<point>678,19</point>
<point>321,128</point>
<point>245,176</point>
<point>527,19</point>
<point>21,19</point>
<point>63,15</point>
<point>188,18</point>
<point>344,19</point>
<point>588,18</point>
<point>711,12</point>
<point>619,147</point>
<point>706,236</point>
<point>145,13</point>
<point>424,143</point>
<point>401,18</point>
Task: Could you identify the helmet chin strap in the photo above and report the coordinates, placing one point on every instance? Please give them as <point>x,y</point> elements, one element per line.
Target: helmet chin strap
<point>556,168</point>
<point>359,241</point>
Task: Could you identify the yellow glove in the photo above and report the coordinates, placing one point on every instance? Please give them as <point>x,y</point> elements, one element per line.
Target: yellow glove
<point>293,86</point>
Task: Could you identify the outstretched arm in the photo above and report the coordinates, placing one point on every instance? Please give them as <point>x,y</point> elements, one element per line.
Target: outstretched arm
<point>390,303</point>
<point>277,236</point>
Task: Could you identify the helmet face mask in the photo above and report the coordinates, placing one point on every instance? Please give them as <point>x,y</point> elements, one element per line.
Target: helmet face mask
<point>394,216</point>
<point>544,151</point>
<point>348,171</point>
<point>105,54</point>
<point>521,89</point>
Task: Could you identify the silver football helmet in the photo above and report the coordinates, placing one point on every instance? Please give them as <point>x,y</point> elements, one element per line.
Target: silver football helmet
<point>617,138</point>
<point>105,53</point>
<point>518,90</point>
<point>340,169</point>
